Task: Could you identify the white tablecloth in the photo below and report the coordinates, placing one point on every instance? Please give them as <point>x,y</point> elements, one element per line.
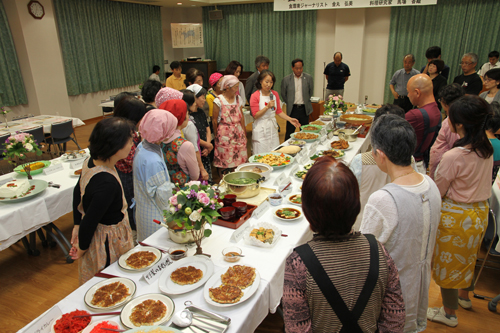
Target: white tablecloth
<point>20,219</point>
<point>270,263</point>
<point>33,122</point>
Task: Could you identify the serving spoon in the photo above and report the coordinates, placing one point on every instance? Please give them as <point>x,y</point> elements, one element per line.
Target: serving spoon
<point>184,318</point>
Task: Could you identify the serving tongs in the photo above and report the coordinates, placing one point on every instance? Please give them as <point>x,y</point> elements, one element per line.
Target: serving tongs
<point>206,314</point>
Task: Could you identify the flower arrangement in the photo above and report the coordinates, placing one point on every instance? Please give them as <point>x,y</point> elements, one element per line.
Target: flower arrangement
<point>17,146</point>
<point>191,207</point>
<point>4,112</point>
<point>334,104</point>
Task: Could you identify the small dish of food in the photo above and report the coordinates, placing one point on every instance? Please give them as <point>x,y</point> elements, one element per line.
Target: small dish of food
<point>325,117</point>
<point>311,128</point>
<point>288,214</point>
<point>262,234</point>
<point>333,153</point>
<point>275,199</point>
<point>307,137</point>
<point>295,199</point>
<point>340,145</point>
<point>232,254</point>
<point>300,143</point>
<point>301,174</point>
<point>318,122</point>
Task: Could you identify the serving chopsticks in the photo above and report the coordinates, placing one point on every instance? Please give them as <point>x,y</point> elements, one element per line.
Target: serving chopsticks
<point>99,314</point>
<point>156,247</point>
<point>105,275</point>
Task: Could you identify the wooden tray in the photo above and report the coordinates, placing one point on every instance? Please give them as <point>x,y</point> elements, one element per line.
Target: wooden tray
<point>237,221</point>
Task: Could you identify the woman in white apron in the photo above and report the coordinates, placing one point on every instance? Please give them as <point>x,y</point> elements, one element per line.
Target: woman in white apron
<point>265,105</point>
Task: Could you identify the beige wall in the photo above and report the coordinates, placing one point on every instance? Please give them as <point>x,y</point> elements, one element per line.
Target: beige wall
<point>362,35</point>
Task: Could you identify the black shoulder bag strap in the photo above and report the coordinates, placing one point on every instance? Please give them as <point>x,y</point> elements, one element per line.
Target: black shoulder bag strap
<point>348,318</point>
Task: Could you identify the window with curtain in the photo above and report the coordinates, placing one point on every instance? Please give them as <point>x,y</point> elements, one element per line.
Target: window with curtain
<point>255,29</point>
<point>457,27</point>
<point>12,91</point>
<point>107,44</point>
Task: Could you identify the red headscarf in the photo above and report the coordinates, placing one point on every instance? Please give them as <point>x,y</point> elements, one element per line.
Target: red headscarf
<point>178,108</point>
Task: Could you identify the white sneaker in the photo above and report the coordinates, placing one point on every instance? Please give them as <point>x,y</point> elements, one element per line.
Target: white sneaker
<point>465,303</point>
<point>439,316</point>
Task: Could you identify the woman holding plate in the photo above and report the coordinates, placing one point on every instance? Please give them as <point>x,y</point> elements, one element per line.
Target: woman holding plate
<point>264,106</point>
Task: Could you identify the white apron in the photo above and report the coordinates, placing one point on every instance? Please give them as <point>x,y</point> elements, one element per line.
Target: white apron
<point>265,129</point>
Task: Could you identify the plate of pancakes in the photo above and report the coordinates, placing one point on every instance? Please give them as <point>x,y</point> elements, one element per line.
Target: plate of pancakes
<point>186,275</point>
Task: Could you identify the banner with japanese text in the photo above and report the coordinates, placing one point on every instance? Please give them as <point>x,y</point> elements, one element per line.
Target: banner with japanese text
<point>289,5</point>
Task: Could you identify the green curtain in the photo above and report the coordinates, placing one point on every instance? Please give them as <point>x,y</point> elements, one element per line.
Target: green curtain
<point>457,26</point>
<point>107,44</point>
<point>12,90</point>
<point>255,29</point>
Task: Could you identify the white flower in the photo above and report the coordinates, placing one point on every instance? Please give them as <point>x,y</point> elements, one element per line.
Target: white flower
<point>9,146</point>
<point>172,209</point>
<point>28,146</point>
<point>195,216</point>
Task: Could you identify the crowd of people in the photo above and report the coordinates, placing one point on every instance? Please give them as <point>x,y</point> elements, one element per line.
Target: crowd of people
<point>412,209</point>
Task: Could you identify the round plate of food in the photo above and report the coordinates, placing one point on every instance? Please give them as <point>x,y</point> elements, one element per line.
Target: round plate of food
<point>231,286</point>
<point>300,143</point>
<point>155,329</point>
<point>311,128</point>
<point>77,155</point>
<point>185,275</point>
<point>300,175</point>
<point>340,145</point>
<point>110,293</point>
<point>262,234</point>
<point>147,310</point>
<point>317,122</point>
<point>139,258</point>
<point>276,160</point>
<point>31,188</point>
<point>288,214</point>
<point>36,167</point>
<point>333,153</point>
<point>307,137</point>
<point>295,199</point>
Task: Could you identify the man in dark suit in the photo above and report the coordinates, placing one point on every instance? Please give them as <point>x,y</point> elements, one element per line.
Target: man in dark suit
<point>296,90</point>
<point>261,63</point>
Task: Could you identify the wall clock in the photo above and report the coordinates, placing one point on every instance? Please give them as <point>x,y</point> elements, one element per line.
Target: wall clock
<point>36,10</point>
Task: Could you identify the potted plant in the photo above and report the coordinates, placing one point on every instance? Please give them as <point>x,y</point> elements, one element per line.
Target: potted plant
<point>4,112</point>
<point>16,148</point>
<point>191,208</point>
<point>334,104</point>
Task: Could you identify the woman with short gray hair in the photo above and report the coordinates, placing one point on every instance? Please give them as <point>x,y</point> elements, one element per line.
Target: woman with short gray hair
<point>404,214</point>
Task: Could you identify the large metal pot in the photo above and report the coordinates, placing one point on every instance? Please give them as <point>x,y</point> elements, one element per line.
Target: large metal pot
<point>242,191</point>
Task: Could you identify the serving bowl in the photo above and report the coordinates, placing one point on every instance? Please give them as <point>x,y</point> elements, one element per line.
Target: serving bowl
<point>242,190</point>
<point>294,136</point>
<point>306,129</point>
<point>265,170</point>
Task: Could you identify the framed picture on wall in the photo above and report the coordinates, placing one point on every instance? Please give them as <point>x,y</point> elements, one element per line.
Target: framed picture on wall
<point>186,35</point>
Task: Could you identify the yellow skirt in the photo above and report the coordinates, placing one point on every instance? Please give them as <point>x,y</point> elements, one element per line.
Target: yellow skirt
<point>459,236</point>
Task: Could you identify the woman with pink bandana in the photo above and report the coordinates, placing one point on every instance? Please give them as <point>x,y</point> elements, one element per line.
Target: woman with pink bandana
<point>229,127</point>
<point>152,184</point>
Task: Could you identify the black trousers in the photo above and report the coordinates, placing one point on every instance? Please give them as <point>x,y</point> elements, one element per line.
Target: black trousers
<point>404,102</point>
<point>299,113</point>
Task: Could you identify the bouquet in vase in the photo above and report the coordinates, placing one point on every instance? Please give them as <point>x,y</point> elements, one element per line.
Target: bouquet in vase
<point>334,104</point>
<point>17,146</point>
<point>4,112</point>
<point>191,207</point>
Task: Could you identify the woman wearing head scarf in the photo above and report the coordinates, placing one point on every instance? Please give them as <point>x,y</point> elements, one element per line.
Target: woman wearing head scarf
<point>214,81</point>
<point>229,126</point>
<point>152,186</point>
<point>166,94</point>
<point>180,155</point>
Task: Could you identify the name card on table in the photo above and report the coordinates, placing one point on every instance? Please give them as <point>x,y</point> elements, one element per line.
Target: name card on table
<point>154,273</point>
<point>6,180</point>
<point>52,169</point>
<point>240,232</point>
<point>323,139</point>
<point>304,160</point>
<point>322,132</point>
<point>285,182</point>
<point>293,170</point>
<point>314,146</point>
<point>259,211</point>
<point>76,164</point>
<point>330,135</point>
<point>280,179</point>
<point>44,324</point>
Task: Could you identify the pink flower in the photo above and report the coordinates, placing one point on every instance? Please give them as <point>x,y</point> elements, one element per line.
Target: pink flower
<point>19,137</point>
<point>340,96</point>
<point>193,182</point>
<point>203,198</point>
<point>173,200</point>
<point>335,98</point>
<point>179,206</point>
<point>330,96</point>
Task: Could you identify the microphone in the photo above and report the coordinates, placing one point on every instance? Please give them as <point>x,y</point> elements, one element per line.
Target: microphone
<point>271,97</point>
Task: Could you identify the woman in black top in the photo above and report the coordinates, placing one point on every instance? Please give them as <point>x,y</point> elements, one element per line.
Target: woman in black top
<point>438,81</point>
<point>102,232</point>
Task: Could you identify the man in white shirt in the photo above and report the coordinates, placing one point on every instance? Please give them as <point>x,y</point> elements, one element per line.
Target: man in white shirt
<point>491,64</point>
<point>156,71</point>
<point>296,90</point>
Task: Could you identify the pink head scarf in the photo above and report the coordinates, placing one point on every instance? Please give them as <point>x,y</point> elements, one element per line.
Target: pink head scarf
<point>157,125</point>
<point>228,81</point>
<point>166,94</point>
<point>214,78</point>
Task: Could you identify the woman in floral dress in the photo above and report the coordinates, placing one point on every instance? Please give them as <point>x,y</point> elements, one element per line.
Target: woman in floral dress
<point>229,127</point>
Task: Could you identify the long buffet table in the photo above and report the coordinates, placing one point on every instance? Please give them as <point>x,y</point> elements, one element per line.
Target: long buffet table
<point>270,262</point>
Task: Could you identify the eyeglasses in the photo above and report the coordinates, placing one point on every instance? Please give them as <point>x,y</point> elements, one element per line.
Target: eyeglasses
<point>487,79</point>
<point>466,63</point>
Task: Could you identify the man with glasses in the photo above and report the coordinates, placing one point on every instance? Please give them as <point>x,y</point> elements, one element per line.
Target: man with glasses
<point>469,80</point>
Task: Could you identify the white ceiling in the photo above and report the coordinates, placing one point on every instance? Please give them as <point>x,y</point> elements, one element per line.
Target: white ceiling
<point>192,3</point>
